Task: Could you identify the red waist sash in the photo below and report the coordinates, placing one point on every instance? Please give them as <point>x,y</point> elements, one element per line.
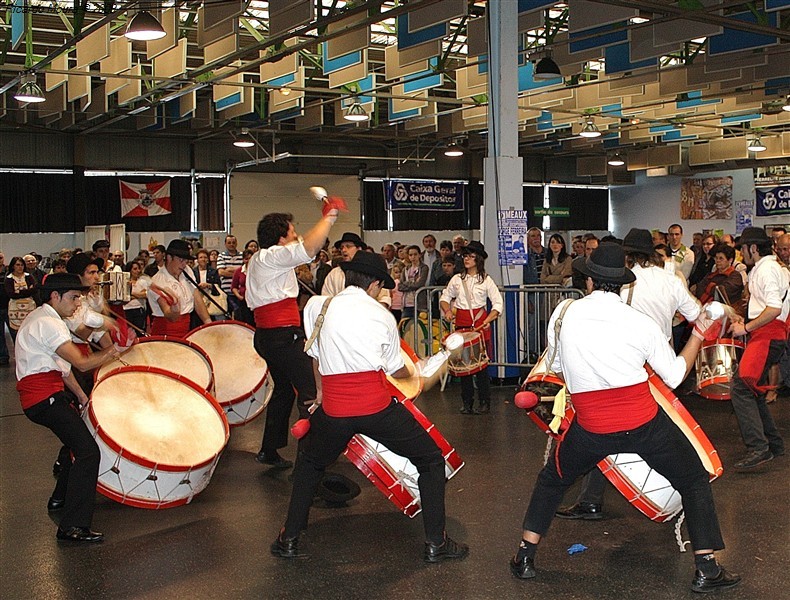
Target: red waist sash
<point>161,326</point>
<point>753,362</point>
<point>615,409</point>
<point>355,394</point>
<point>473,318</point>
<point>39,386</point>
<point>284,313</point>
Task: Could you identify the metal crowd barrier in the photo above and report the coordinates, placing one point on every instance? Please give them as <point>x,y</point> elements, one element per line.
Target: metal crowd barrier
<point>518,336</point>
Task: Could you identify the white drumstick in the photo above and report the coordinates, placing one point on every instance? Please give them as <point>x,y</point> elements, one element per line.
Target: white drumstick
<point>319,193</point>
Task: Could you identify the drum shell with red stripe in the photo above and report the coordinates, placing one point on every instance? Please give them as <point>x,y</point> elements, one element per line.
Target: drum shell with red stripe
<point>546,385</point>
<point>395,475</point>
<point>715,366</point>
<point>242,383</point>
<point>172,459</point>
<point>471,358</point>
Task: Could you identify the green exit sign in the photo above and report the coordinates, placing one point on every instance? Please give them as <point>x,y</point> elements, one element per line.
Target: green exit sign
<point>553,212</point>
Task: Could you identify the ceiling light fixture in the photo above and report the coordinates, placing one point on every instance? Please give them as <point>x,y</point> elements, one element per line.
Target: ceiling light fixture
<point>546,68</point>
<point>28,90</point>
<point>756,145</point>
<point>590,129</point>
<point>616,160</point>
<point>244,140</point>
<point>356,113</point>
<point>144,27</point>
<point>787,104</point>
<point>453,150</point>
<point>285,90</point>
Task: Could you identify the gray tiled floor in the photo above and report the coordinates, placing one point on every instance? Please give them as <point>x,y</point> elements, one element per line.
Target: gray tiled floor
<point>217,547</point>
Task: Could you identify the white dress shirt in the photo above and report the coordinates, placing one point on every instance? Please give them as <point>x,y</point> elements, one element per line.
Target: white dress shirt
<point>180,289</point>
<point>658,294</point>
<point>768,286</point>
<point>480,291</point>
<point>358,334</point>
<point>37,341</point>
<point>271,276</point>
<point>604,344</point>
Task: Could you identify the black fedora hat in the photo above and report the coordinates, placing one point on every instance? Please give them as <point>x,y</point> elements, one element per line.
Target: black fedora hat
<point>352,237</point>
<point>754,235</point>
<point>100,244</point>
<point>638,240</point>
<point>606,264</point>
<point>62,282</point>
<point>337,489</point>
<point>475,247</point>
<point>79,262</point>
<point>180,248</point>
<point>370,264</point>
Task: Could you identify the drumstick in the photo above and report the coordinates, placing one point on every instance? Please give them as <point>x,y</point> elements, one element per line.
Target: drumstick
<point>96,346</point>
<point>206,294</point>
<point>128,322</point>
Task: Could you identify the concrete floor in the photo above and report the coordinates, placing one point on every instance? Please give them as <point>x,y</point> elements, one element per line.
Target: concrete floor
<point>218,546</point>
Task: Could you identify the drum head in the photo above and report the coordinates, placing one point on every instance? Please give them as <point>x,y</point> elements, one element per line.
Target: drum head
<point>238,369</point>
<point>410,387</point>
<point>161,420</point>
<point>172,354</point>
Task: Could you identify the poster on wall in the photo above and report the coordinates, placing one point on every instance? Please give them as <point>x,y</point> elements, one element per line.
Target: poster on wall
<point>512,233</point>
<point>410,194</point>
<point>773,201</point>
<point>706,198</point>
<point>743,215</point>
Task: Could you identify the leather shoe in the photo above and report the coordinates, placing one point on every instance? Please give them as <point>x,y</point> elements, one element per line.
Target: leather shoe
<point>79,534</point>
<point>287,548</point>
<point>276,461</point>
<point>753,459</point>
<point>524,568</point>
<point>448,549</point>
<point>723,580</point>
<point>586,511</point>
<point>53,504</point>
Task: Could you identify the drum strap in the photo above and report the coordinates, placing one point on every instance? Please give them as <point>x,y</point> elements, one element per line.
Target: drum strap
<point>557,328</point>
<point>319,322</point>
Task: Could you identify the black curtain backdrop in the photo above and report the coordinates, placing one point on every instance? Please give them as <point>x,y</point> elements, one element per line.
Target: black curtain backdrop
<point>533,198</point>
<point>375,211</point>
<point>589,208</point>
<point>39,203</point>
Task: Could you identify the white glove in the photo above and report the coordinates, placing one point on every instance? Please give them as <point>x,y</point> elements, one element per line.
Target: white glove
<point>318,193</point>
<point>427,367</point>
<point>705,327</point>
<point>120,349</point>
<point>93,319</point>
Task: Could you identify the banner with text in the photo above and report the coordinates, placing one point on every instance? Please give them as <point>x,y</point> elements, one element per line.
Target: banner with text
<point>411,194</point>
<point>512,230</point>
<point>773,201</point>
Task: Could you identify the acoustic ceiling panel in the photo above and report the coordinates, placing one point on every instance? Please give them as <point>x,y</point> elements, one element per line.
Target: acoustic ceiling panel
<point>436,14</point>
<point>288,14</point>
<point>133,87</point>
<point>53,80</point>
<point>169,21</point>
<point>173,62</point>
<point>352,41</point>
<point>94,47</point>
<point>729,148</point>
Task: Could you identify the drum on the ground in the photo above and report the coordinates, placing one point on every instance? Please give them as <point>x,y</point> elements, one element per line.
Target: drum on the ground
<point>170,353</point>
<point>715,366</point>
<point>242,384</point>
<point>394,475</point>
<point>160,436</point>
<point>471,358</point>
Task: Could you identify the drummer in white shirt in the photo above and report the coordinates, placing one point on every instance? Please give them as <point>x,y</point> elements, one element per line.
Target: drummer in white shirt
<point>355,348</point>
<point>44,357</point>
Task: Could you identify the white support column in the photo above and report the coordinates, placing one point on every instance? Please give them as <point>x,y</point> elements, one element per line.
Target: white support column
<point>503,169</point>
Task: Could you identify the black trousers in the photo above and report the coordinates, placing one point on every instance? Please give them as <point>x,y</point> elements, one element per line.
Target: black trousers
<point>76,481</point>
<point>292,372</point>
<point>483,389</point>
<point>399,431</point>
<point>136,316</point>
<point>662,446</point>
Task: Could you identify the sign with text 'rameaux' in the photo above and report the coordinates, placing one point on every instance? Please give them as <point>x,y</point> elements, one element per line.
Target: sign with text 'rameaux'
<point>414,194</point>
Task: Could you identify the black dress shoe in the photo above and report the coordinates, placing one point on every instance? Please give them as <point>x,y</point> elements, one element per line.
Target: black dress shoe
<point>276,461</point>
<point>56,468</point>
<point>54,504</point>
<point>449,549</point>
<point>524,568</point>
<point>586,511</point>
<point>287,548</point>
<point>753,460</point>
<point>723,580</point>
<point>79,534</point>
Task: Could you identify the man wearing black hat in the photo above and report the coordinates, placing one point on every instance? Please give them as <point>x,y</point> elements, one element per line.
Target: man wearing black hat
<point>335,281</point>
<point>616,412</point>
<point>44,357</point>
<point>356,346</point>
<point>272,292</point>
<point>768,310</point>
<point>659,294</point>
<point>172,297</point>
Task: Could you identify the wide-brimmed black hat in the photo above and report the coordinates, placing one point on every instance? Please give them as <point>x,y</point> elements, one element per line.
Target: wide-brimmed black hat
<point>63,282</point>
<point>638,240</point>
<point>337,489</point>
<point>79,262</point>
<point>100,244</point>
<point>475,247</point>
<point>370,264</point>
<point>350,236</point>
<point>606,264</point>
<point>180,248</point>
<point>754,235</point>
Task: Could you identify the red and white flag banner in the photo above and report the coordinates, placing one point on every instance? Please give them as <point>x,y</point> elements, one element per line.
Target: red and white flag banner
<point>145,199</point>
